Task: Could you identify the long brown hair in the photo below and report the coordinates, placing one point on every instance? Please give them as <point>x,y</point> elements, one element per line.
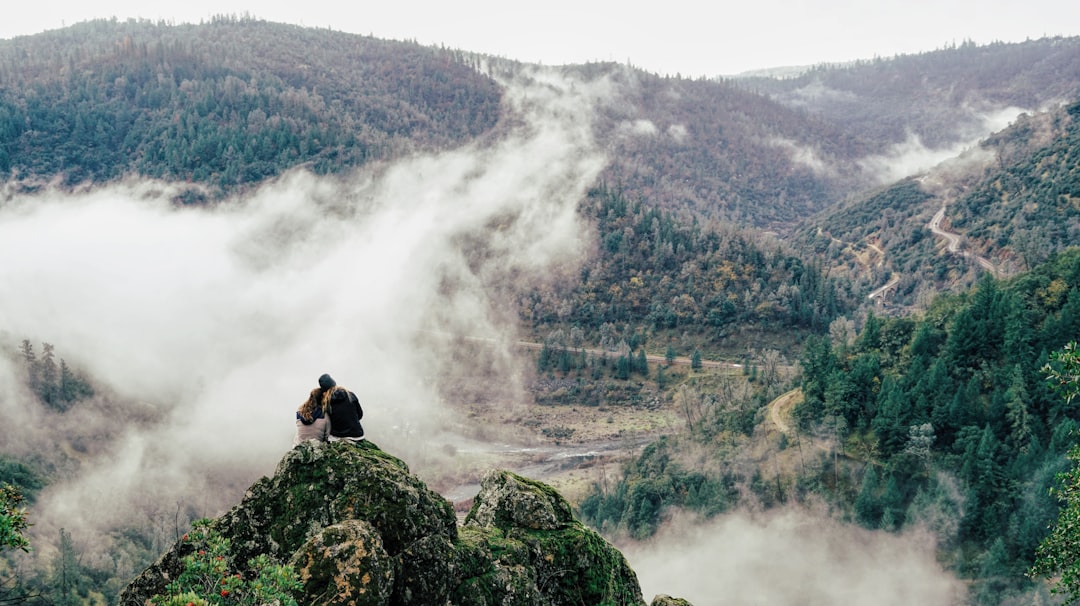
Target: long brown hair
<point>317,398</point>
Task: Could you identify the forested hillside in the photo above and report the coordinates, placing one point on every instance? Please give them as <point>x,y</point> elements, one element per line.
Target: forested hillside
<point>237,100</point>
<point>942,420</point>
<point>721,152</point>
<point>694,284</point>
<point>1014,199</point>
<point>227,103</point>
<point>1030,209</point>
<point>941,97</point>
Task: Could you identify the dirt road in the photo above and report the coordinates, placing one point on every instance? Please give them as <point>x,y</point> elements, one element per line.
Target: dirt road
<point>954,240</point>
<point>780,409</point>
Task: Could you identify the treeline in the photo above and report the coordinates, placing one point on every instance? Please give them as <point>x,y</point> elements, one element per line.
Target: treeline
<point>658,272</point>
<point>227,103</point>
<point>55,384</point>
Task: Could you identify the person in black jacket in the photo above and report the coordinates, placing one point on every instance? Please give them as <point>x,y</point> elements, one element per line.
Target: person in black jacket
<point>344,411</point>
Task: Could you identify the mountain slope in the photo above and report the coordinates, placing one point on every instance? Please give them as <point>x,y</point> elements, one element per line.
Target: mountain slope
<point>1014,199</point>
<point>226,103</point>
<point>942,97</point>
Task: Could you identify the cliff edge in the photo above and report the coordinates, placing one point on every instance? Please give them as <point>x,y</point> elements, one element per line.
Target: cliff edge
<point>361,530</point>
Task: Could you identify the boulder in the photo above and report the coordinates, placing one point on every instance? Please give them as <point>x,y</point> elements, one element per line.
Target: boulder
<point>360,530</point>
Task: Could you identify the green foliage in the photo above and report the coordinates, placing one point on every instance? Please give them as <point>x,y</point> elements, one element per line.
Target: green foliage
<point>658,272</point>
<point>650,484</point>
<point>1063,371</point>
<point>1059,553</point>
<point>228,103</point>
<point>20,476</point>
<point>955,394</point>
<point>210,576</point>
<point>13,520</point>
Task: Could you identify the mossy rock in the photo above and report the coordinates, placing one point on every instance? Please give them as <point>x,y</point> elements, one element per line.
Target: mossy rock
<point>512,501</point>
<point>493,570</point>
<point>666,600</point>
<point>523,532</point>
<point>425,572</point>
<point>361,530</point>
<point>345,565</point>
<point>318,484</point>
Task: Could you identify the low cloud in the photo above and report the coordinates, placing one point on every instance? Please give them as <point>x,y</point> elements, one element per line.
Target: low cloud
<point>678,132</point>
<point>804,155</point>
<point>205,327</point>
<point>913,157</point>
<point>638,128</point>
<point>791,557</point>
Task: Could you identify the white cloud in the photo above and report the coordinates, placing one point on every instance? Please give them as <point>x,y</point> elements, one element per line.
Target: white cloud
<point>912,157</point>
<point>791,558</point>
<point>637,128</point>
<point>802,154</point>
<point>212,323</point>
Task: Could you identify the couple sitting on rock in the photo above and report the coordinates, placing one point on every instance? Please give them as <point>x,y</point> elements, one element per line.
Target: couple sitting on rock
<point>331,413</point>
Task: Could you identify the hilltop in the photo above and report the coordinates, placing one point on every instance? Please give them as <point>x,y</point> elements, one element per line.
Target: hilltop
<point>360,529</point>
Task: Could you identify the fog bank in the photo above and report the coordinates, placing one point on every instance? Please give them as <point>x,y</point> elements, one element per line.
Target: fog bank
<point>791,558</point>
<point>205,327</point>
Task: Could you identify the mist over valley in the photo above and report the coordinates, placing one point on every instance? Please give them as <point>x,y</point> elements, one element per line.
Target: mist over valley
<point>651,292</point>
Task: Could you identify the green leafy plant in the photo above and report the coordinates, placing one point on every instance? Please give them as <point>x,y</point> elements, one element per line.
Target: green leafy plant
<point>1063,371</point>
<point>210,579</point>
<point>12,519</point>
<point>1059,553</point>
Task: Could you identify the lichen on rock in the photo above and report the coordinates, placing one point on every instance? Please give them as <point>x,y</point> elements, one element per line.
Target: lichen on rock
<point>345,564</point>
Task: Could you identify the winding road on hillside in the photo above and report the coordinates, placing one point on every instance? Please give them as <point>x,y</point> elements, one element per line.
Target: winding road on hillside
<point>954,241</point>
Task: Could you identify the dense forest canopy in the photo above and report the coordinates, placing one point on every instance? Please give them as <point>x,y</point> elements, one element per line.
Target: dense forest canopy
<point>226,104</point>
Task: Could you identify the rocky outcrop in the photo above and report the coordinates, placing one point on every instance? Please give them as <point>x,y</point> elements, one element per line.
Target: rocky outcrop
<point>361,530</point>
<point>666,600</point>
<point>525,547</point>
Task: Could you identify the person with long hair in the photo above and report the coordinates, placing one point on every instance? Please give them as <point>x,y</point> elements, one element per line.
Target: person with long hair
<point>311,418</point>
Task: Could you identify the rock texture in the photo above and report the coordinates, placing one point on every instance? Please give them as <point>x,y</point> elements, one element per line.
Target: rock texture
<point>361,530</point>
<point>666,600</point>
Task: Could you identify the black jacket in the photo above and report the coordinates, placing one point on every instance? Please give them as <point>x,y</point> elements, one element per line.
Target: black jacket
<point>345,414</point>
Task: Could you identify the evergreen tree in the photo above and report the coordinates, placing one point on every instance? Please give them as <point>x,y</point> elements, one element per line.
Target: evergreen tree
<point>867,508</point>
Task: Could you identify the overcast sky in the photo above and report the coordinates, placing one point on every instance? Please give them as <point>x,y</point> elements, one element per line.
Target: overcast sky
<point>691,37</point>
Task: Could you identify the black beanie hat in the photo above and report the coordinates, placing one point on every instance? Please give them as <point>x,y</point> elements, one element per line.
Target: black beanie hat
<point>326,382</point>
